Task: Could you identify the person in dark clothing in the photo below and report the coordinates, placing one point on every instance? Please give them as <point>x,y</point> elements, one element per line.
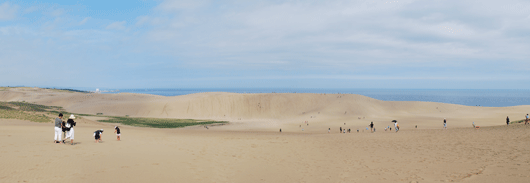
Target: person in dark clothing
<point>507,120</point>
<point>340,129</point>
<point>118,132</point>
<point>97,135</point>
<point>70,129</point>
<point>63,128</point>
<point>372,126</point>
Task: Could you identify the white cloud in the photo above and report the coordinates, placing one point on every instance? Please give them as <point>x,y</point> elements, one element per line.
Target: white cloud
<point>171,5</point>
<point>117,25</point>
<point>7,11</point>
<point>84,21</point>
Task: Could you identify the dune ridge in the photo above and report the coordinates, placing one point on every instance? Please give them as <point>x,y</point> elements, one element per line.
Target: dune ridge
<point>280,108</point>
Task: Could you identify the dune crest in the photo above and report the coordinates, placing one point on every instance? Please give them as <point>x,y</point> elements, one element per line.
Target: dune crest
<point>279,107</point>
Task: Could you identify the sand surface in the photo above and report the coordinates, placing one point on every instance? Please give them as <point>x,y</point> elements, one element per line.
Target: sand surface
<point>251,150</point>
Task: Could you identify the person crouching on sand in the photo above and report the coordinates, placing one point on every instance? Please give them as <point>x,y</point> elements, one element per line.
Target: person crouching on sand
<point>118,132</point>
<point>97,135</point>
<point>58,127</point>
<point>70,129</point>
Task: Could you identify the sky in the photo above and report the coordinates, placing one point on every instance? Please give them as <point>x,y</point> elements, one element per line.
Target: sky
<point>406,44</point>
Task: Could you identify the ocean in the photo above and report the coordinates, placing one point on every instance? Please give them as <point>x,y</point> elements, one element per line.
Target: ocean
<point>475,97</point>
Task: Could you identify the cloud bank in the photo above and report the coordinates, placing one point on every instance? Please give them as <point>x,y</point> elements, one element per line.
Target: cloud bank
<point>362,43</point>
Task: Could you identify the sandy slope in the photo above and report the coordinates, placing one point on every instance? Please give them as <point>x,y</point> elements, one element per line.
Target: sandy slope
<point>251,150</point>
<point>492,154</point>
<point>274,111</point>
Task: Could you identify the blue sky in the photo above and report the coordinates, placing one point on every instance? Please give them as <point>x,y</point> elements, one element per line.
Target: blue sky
<point>427,44</point>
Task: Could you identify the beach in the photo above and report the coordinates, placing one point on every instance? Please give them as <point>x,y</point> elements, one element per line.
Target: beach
<point>251,149</point>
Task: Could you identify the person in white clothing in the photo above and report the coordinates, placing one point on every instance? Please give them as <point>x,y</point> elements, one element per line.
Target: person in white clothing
<point>58,129</point>
<point>70,129</point>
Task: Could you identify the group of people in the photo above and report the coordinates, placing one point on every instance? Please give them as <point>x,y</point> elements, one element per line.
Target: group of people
<point>68,129</point>
<point>64,127</point>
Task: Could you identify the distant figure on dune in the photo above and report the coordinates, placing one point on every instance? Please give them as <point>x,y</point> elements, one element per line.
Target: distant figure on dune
<point>445,124</point>
<point>58,127</point>
<point>372,126</point>
<point>340,128</point>
<point>507,120</point>
<point>396,126</point>
<point>97,135</point>
<point>280,130</point>
<point>329,129</point>
<point>117,132</point>
<point>527,118</point>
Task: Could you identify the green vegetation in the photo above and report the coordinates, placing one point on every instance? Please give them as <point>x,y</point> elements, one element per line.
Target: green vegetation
<point>24,106</point>
<point>19,110</point>
<point>520,121</point>
<point>42,113</point>
<point>158,122</point>
<point>68,90</point>
<point>27,111</point>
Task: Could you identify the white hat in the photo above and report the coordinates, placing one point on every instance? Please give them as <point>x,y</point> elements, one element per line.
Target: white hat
<point>101,129</point>
<point>71,117</point>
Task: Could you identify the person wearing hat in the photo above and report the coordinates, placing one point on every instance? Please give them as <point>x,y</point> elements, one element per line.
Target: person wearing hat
<point>118,132</point>
<point>58,128</point>
<point>70,129</point>
<point>98,134</point>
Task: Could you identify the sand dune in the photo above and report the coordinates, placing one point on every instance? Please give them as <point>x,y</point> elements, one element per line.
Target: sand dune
<point>273,111</point>
<point>251,150</point>
<point>491,154</point>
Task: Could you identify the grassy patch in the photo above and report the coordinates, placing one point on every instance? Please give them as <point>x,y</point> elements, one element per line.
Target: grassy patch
<point>520,121</point>
<point>158,122</point>
<point>25,111</point>
<point>24,106</point>
<point>42,113</point>
<point>21,115</point>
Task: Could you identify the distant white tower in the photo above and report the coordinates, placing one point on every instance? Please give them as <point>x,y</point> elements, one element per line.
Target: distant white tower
<point>97,90</point>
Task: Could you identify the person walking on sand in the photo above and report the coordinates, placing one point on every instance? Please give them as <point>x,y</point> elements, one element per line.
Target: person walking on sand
<point>445,124</point>
<point>527,118</point>
<point>329,129</point>
<point>396,126</point>
<point>58,128</point>
<point>97,135</point>
<point>372,127</point>
<point>340,129</point>
<point>70,129</point>
<point>507,120</point>
<point>118,132</point>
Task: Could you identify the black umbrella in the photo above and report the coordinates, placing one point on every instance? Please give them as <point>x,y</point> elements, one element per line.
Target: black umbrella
<point>394,121</point>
